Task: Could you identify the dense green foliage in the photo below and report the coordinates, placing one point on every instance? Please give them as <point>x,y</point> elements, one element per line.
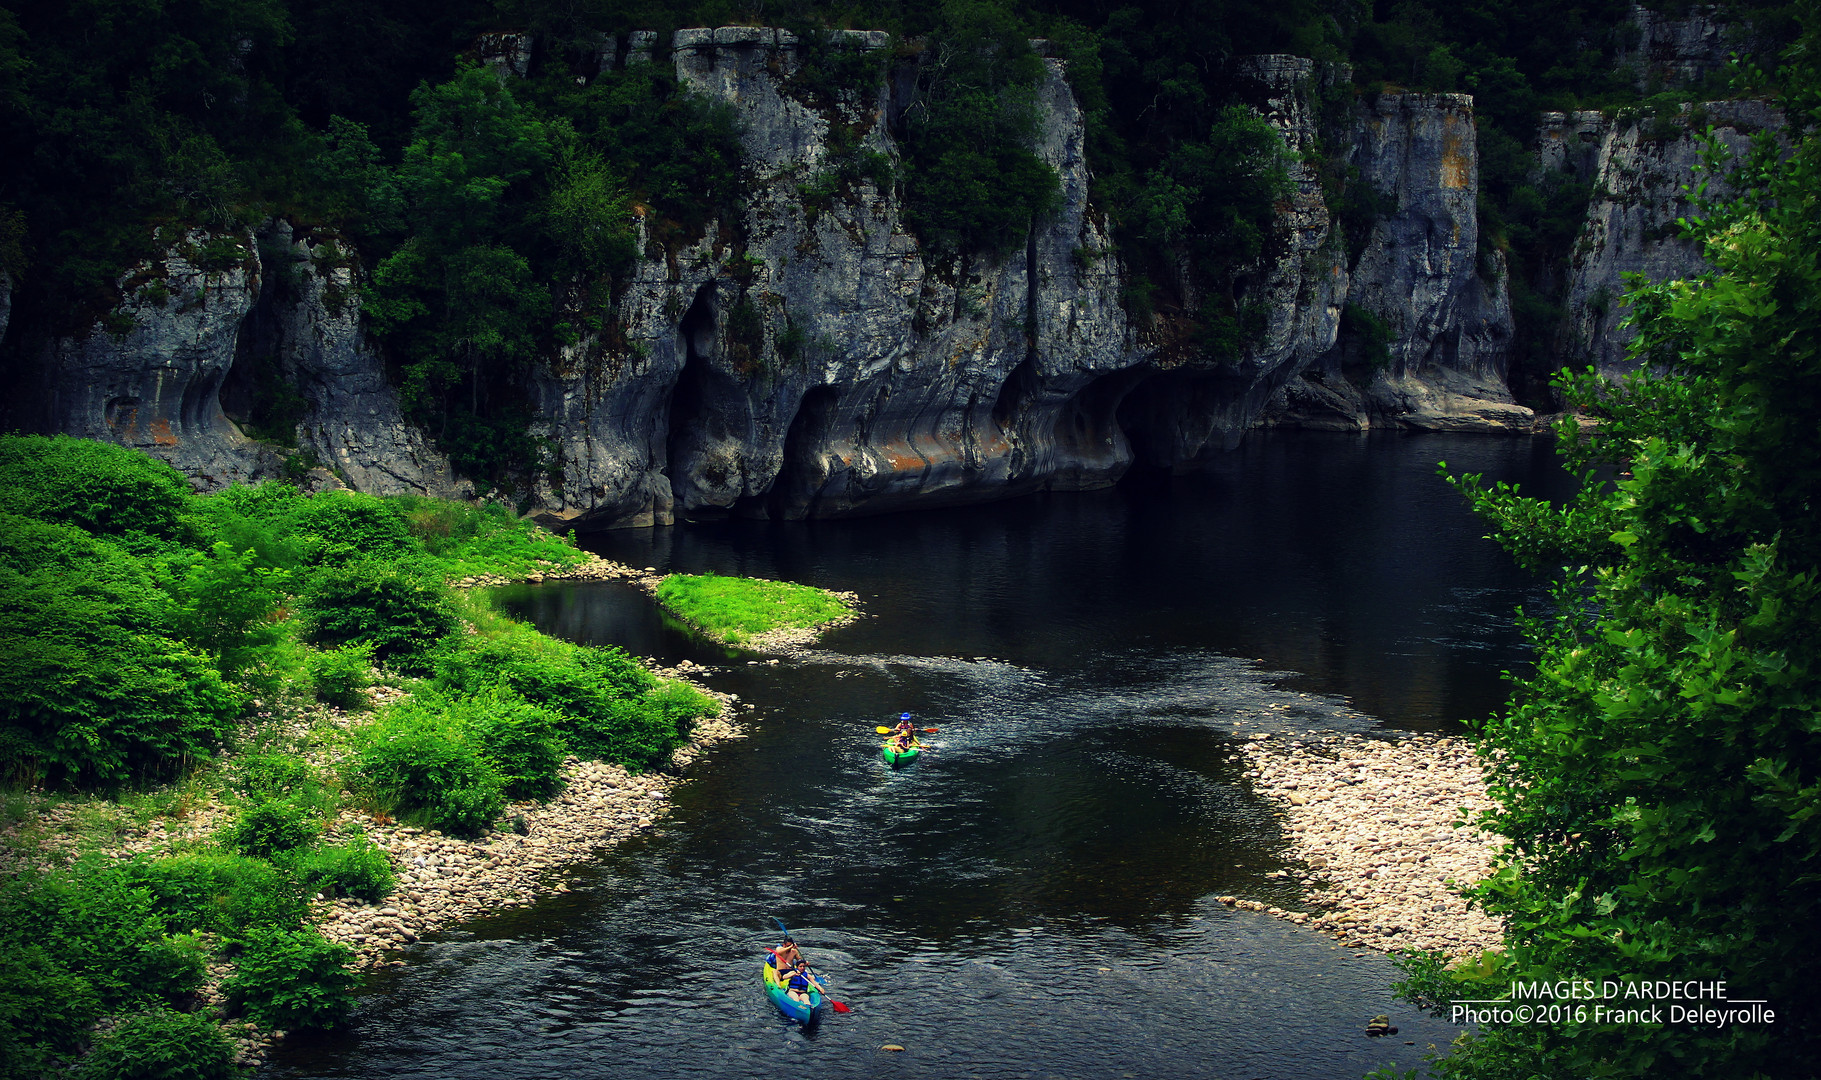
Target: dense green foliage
<point>731,609</point>
<point>397,610</point>
<point>1658,778</point>
<point>137,645</point>
<point>422,763</point>
<point>291,978</point>
<point>165,1044</point>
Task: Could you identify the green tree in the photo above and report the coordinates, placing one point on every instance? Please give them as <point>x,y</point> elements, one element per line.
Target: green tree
<point>1658,779</point>
<point>974,183</point>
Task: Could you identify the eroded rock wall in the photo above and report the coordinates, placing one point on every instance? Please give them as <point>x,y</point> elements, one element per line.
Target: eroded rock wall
<point>815,360</point>
<point>151,377</point>
<point>1422,276</point>
<point>1642,171</point>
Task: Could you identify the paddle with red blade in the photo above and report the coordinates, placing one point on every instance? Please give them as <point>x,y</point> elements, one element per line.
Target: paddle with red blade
<point>838,1006</point>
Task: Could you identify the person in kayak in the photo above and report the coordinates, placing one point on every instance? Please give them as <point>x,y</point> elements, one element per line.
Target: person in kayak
<point>802,981</point>
<point>904,741</point>
<point>785,956</point>
<point>904,725</point>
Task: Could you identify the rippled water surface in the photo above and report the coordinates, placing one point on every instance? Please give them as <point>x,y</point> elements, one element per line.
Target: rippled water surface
<point>1036,896</point>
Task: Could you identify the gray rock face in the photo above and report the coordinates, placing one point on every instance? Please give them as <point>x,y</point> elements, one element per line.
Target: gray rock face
<point>308,322</point>
<point>1676,52</point>
<point>1421,274</point>
<point>1640,171</point>
<point>817,361</point>
<point>156,386</point>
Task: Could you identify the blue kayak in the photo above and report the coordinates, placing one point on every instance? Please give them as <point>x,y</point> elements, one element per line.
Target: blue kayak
<point>794,1007</point>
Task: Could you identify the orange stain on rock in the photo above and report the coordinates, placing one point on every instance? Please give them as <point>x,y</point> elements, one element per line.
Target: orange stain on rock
<point>1456,166</point>
<point>162,435</point>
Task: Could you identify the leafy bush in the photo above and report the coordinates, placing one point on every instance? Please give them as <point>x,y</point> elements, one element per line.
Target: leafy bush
<point>640,733</point>
<point>99,487</point>
<point>274,826</point>
<point>271,776</point>
<point>398,611</point>
<point>469,540</point>
<point>46,1010</point>
<point>221,894</point>
<point>291,979</point>
<point>91,689</point>
<point>356,867</point>
<point>547,671</point>
<point>162,1045</point>
<point>342,676</point>
<point>223,604</point>
<point>172,968</point>
<point>419,760</point>
<point>93,922</point>
<point>347,526</point>
<point>521,739</point>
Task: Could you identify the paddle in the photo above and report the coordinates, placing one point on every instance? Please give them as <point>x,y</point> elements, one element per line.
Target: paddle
<point>839,1006</point>
<point>888,730</point>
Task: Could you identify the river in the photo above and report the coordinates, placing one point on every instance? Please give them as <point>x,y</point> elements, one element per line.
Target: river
<point>1035,898</point>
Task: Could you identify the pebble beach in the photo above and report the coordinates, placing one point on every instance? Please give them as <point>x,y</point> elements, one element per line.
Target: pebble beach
<point>1375,839</point>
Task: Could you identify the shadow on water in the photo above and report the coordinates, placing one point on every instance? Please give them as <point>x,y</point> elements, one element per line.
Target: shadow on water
<point>1035,896</point>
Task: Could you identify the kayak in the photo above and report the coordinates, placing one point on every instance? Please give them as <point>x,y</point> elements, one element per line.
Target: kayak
<point>894,757</point>
<point>805,1013</point>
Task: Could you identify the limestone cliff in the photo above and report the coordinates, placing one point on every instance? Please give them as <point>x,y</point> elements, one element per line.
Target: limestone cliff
<point>1420,277</point>
<point>1641,170</point>
<point>815,360</point>
<point>152,376</point>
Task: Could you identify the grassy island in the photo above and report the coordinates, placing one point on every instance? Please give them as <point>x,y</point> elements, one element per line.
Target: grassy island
<point>212,706</point>
<point>747,611</point>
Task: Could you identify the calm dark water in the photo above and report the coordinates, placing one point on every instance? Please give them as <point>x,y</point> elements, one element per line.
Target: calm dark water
<point>1036,897</point>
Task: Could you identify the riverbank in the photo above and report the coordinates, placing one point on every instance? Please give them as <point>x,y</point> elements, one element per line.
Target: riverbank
<point>1372,823</point>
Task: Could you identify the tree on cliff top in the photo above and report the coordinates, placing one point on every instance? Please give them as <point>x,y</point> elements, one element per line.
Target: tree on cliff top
<point>1659,777</point>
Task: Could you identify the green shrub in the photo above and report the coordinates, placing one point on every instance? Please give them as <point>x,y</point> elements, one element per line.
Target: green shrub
<point>272,827</point>
<point>223,604</point>
<point>640,733</point>
<point>271,776</point>
<point>291,979</point>
<point>99,487</point>
<point>573,679</point>
<point>91,688</point>
<point>46,1010</point>
<point>397,611</point>
<point>222,894</point>
<point>356,867</point>
<point>346,526</point>
<point>469,540</point>
<point>172,968</point>
<point>257,519</point>
<point>162,1045</point>
<point>521,739</point>
<point>419,760</point>
<point>342,676</point>
<point>93,922</point>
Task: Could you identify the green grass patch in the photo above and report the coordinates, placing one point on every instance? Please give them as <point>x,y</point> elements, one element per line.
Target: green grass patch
<point>734,610</point>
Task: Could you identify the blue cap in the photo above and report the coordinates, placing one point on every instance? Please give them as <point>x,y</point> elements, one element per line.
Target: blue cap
<point>904,716</point>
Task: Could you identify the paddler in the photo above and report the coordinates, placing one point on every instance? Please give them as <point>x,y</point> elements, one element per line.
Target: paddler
<point>785,956</point>
<point>904,725</point>
<point>802,981</point>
